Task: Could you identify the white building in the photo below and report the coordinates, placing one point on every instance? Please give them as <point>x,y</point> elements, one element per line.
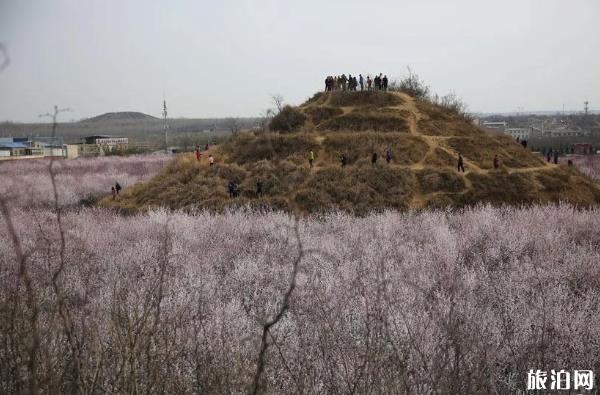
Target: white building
<point>495,125</point>
<point>520,133</point>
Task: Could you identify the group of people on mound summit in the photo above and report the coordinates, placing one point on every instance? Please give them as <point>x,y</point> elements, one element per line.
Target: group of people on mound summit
<point>350,83</point>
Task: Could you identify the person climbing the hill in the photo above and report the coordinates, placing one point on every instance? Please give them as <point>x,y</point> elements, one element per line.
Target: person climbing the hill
<point>496,162</point>
<point>206,147</point>
<point>233,192</point>
<point>113,191</point>
<point>461,164</point>
<point>344,160</point>
<point>198,153</point>
<point>374,159</point>
<point>259,188</point>
<point>556,157</point>
<point>524,143</point>
<point>369,82</point>
<point>385,82</point>
<point>549,156</point>
<point>117,188</point>
<point>211,160</point>
<point>361,82</point>
<point>311,158</point>
<point>388,155</point>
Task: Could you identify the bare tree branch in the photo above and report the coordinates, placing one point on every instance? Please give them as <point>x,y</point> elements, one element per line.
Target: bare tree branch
<point>282,309</point>
<point>31,297</point>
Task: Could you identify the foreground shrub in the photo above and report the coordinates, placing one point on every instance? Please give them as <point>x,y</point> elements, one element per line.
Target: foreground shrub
<point>288,119</point>
<point>268,146</point>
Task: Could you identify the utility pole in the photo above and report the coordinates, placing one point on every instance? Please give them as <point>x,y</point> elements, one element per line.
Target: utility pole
<point>165,126</point>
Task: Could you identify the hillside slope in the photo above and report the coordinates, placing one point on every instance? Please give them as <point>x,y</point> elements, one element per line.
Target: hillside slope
<point>424,138</point>
<point>120,116</point>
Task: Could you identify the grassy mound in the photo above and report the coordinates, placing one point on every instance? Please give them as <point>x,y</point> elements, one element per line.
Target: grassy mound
<point>424,138</point>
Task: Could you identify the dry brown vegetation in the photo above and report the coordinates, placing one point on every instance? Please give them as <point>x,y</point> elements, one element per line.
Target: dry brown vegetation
<point>424,137</point>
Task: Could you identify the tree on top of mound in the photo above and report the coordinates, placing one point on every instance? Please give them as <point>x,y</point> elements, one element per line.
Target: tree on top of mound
<point>288,118</point>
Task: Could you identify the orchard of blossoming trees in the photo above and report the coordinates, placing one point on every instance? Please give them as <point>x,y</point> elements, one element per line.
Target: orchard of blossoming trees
<point>589,165</point>
<point>26,182</point>
<point>462,301</point>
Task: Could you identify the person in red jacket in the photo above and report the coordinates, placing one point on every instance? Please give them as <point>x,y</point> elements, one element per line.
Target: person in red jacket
<point>198,154</point>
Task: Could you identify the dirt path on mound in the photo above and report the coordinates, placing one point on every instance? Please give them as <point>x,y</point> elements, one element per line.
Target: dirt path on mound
<point>433,143</point>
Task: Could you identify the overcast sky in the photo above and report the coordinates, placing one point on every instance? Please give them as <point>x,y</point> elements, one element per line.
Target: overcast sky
<point>228,57</point>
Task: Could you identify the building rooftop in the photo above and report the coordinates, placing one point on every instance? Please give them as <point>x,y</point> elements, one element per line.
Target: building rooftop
<point>13,145</point>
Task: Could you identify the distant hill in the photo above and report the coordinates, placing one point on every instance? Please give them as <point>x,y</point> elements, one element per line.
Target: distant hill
<point>424,138</point>
<point>121,116</point>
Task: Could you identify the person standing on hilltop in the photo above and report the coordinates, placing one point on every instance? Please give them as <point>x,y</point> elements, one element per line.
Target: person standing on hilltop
<point>385,82</point>
<point>461,164</point>
<point>556,157</point>
<point>118,187</point>
<point>344,82</point>
<point>311,158</point>
<point>211,160</point>
<point>361,82</point>
<point>113,192</point>
<point>349,82</point>
<point>377,82</point>
<point>369,82</point>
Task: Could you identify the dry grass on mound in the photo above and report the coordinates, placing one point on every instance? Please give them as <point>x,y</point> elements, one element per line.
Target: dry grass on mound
<point>481,150</point>
<point>440,158</point>
<point>382,122</point>
<point>436,120</point>
<point>363,98</point>
<point>406,149</point>
<point>319,114</point>
<point>568,183</point>
<point>432,180</point>
<point>249,147</point>
<point>500,187</point>
<point>356,189</point>
<point>459,127</point>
